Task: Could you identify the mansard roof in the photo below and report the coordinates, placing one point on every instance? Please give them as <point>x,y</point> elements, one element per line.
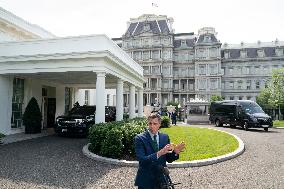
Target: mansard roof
<point>251,52</point>
<point>156,27</point>
<point>189,42</point>
<point>212,38</point>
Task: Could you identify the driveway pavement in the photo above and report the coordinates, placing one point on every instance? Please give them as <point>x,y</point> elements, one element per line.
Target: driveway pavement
<point>58,162</point>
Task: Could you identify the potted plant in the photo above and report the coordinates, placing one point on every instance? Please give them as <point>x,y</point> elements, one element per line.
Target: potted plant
<point>1,137</point>
<point>32,117</point>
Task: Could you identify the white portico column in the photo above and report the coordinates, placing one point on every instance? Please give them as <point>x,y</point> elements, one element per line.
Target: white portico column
<point>131,101</point>
<point>100,97</point>
<point>140,102</point>
<point>119,100</point>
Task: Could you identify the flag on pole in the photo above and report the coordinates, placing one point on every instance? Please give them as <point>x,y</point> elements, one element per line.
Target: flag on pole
<point>154,5</point>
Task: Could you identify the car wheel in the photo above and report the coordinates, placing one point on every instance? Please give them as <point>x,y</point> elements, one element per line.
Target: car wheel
<point>266,129</point>
<point>245,126</point>
<point>217,123</point>
<point>233,126</point>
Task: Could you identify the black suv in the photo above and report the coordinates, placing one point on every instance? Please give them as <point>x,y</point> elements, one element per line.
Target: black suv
<point>79,119</point>
<point>244,113</point>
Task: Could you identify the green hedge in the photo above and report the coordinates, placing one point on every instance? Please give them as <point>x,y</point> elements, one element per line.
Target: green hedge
<point>165,122</point>
<point>115,139</point>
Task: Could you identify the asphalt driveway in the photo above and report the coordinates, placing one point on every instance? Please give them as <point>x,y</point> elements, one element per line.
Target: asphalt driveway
<point>58,162</point>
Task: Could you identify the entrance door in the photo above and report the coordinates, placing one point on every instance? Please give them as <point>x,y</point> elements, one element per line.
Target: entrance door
<point>51,108</point>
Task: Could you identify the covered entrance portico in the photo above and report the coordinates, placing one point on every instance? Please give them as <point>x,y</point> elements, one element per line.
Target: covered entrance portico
<point>94,62</point>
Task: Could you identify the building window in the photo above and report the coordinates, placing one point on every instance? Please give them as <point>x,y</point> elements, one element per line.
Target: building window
<point>231,85</point>
<point>213,52</point>
<point>87,97</point>
<point>176,71</point>
<point>137,55</point>
<point>231,98</point>
<point>165,84</point>
<point>249,98</point>
<point>240,98</point>
<point>191,71</point>
<point>248,85</point>
<point>257,70</point>
<point>184,72</point>
<point>257,84</point>
<point>155,55</point>
<point>146,69</point>
<point>247,70</point>
<point>202,69</point>
<point>166,70</point>
<point>202,84</point>
<point>231,69</point>
<point>213,84</point>
<point>108,99</point>
<point>146,55</point>
<point>213,69</point>
<point>239,70</point>
<point>223,85</point>
<point>155,70</point>
<point>17,102</point>
<point>240,83</point>
<point>145,85</point>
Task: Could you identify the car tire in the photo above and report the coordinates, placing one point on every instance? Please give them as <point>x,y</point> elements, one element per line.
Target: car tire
<point>218,123</point>
<point>245,126</point>
<point>266,129</point>
<point>233,126</point>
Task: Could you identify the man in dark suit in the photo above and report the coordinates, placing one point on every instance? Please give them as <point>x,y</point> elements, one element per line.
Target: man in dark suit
<point>153,150</point>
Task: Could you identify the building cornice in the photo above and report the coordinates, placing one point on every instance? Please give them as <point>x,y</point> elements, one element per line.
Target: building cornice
<point>23,25</point>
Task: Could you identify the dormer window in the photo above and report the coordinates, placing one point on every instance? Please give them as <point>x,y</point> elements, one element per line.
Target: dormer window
<point>146,27</point>
<point>207,39</point>
<point>243,53</point>
<point>278,51</point>
<point>183,43</point>
<point>226,54</point>
<point>260,53</point>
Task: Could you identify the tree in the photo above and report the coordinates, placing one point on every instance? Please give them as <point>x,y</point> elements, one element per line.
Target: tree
<point>273,94</point>
<point>32,117</point>
<point>216,98</point>
<point>277,89</point>
<point>263,98</point>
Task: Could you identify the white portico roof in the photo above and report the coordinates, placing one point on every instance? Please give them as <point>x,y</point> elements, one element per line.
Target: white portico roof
<point>95,53</point>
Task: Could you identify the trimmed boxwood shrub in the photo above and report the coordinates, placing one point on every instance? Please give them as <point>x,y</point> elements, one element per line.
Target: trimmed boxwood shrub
<point>165,122</point>
<point>115,139</point>
<point>1,136</point>
<point>32,117</point>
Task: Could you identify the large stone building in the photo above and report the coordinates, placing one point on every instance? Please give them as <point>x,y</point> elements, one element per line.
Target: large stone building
<point>182,66</point>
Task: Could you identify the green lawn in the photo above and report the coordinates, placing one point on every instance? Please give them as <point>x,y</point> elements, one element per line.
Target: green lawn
<point>201,143</point>
<point>278,123</point>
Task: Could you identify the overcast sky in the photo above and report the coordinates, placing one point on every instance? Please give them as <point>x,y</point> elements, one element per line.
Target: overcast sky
<point>234,20</point>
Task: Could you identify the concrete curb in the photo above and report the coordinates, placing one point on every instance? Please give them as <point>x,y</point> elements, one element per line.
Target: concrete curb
<point>182,164</point>
<point>278,127</point>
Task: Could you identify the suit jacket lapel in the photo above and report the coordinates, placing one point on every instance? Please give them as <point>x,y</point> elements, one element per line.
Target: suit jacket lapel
<point>149,139</point>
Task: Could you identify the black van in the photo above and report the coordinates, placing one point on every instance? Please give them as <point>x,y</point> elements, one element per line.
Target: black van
<point>244,113</point>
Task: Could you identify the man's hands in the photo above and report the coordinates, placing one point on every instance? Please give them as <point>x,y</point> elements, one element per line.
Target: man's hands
<point>179,147</point>
<point>164,150</point>
<point>171,147</point>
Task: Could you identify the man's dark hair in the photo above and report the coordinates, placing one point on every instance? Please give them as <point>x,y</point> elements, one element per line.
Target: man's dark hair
<point>154,116</point>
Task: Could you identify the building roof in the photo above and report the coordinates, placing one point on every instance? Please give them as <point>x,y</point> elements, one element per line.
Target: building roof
<point>207,38</point>
<point>21,24</point>
<point>149,23</point>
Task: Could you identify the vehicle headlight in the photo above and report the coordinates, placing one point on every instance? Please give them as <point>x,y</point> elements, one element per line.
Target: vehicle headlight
<point>78,121</point>
<point>253,119</point>
<point>58,120</point>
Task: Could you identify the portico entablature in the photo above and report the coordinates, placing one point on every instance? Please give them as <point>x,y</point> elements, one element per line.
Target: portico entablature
<point>79,54</point>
